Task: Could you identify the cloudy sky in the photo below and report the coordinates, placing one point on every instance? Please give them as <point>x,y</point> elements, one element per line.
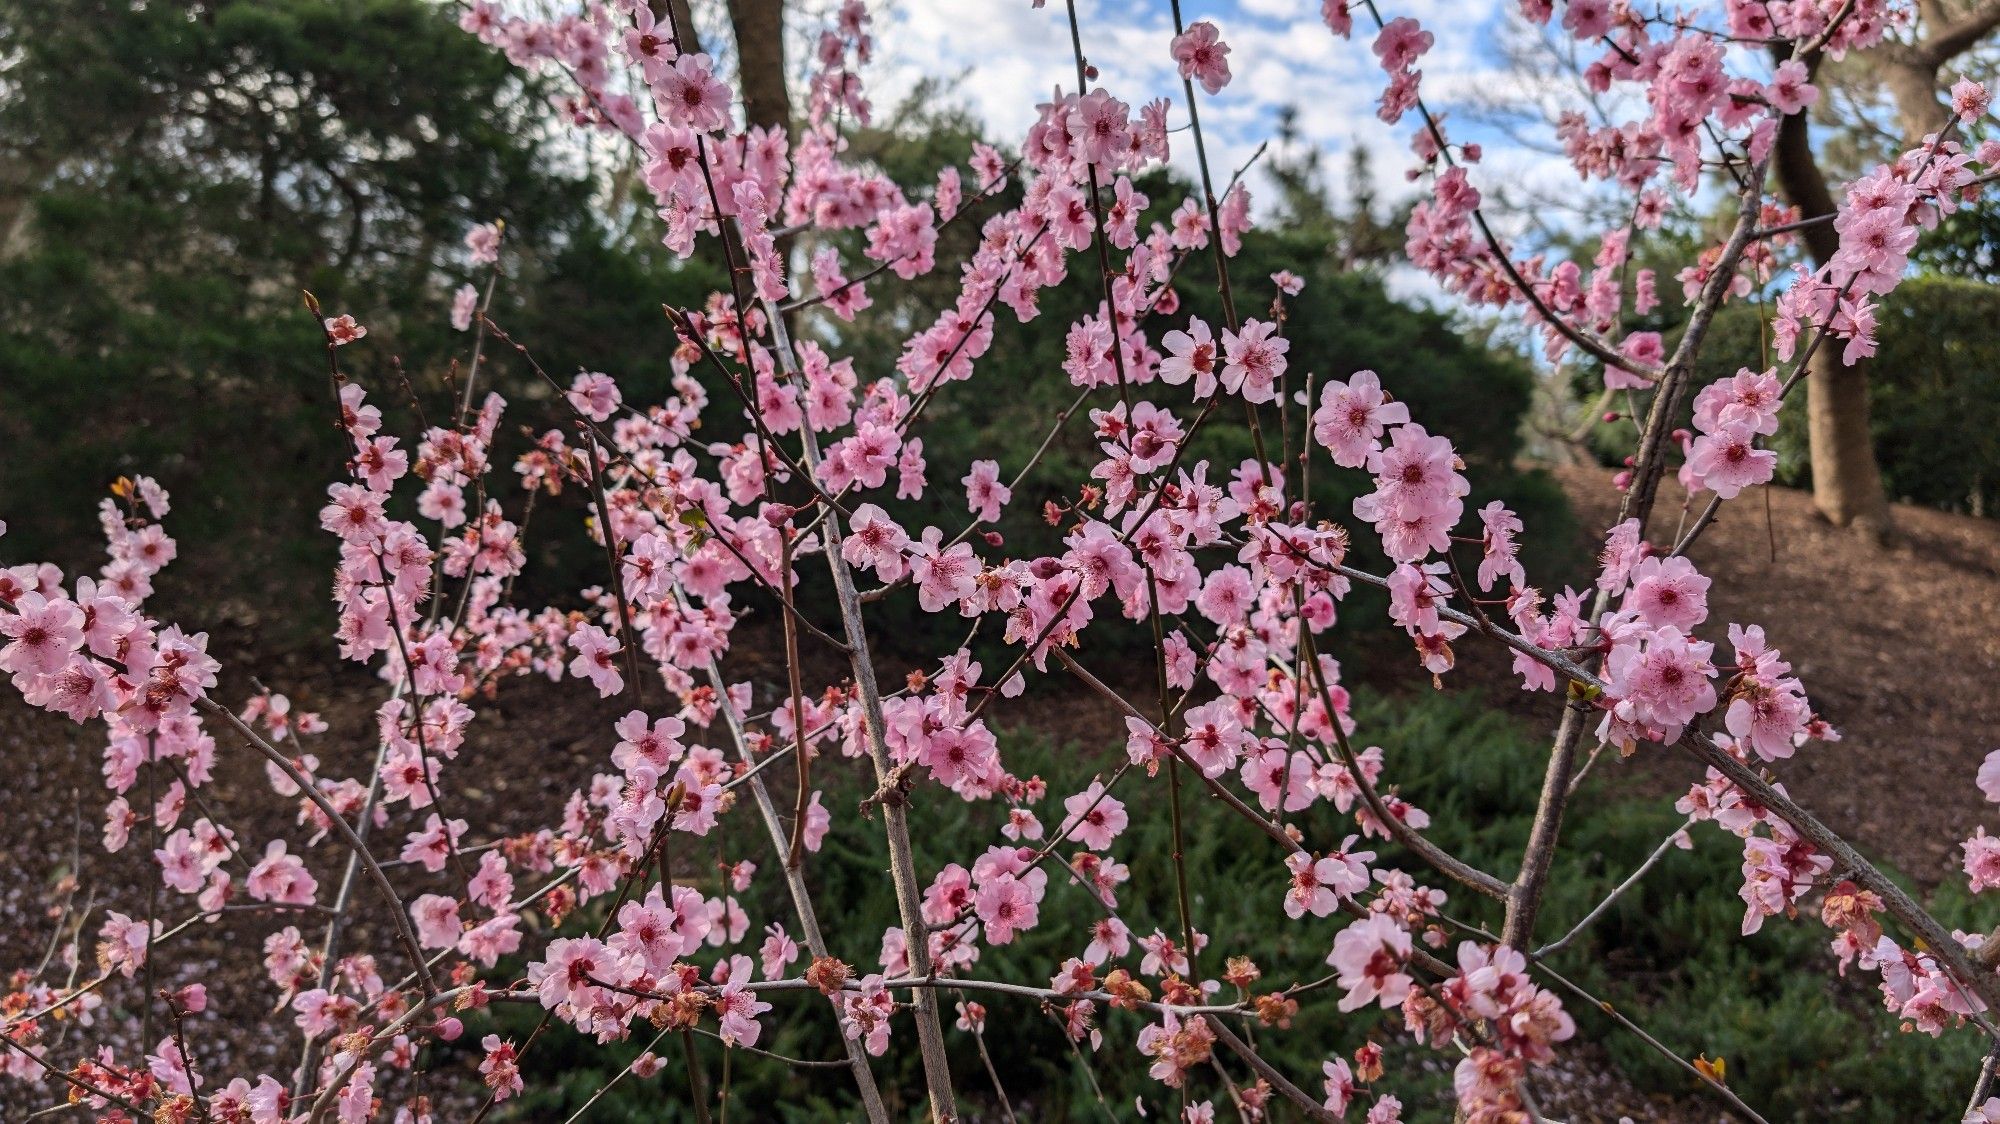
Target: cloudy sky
<point>1006,56</point>
<point>1011,55</point>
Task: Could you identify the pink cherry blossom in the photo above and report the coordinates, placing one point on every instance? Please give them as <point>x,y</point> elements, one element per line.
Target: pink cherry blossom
<point>1969,100</point>
<point>1352,417</point>
<point>41,634</point>
<point>1320,885</point>
<point>1668,592</point>
<point>984,494</point>
<point>689,95</point>
<point>464,303</point>
<point>1192,354</point>
<point>1099,127</point>
<point>1370,956</point>
<point>1791,89</point>
<point>1728,460</point>
<point>1005,906</point>
<point>343,329</point>
<point>1202,56</point>
<point>483,243</point>
<point>594,395</point>
<point>1401,42</point>
<point>1095,817</point>
<point>596,659</point>
<point>281,877</point>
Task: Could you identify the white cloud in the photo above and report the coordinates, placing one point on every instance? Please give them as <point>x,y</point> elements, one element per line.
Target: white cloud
<point>1011,56</point>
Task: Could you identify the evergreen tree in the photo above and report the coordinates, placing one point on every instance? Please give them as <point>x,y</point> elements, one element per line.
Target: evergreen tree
<point>172,176</point>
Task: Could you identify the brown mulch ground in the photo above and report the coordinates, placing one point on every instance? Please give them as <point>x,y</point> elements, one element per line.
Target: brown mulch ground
<point>1896,648</point>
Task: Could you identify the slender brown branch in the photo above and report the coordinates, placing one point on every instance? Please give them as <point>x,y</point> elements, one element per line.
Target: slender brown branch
<point>1312,1109</point>
<point>795,883</point>
<point>902,862</point>
<point>356,846</point>
<point>1631,880</point>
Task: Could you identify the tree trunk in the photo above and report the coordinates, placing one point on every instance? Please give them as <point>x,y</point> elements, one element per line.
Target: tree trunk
<point>682,17</point>
<point>759,26</point>
<point>1847,483</point>
<point>760,62</point>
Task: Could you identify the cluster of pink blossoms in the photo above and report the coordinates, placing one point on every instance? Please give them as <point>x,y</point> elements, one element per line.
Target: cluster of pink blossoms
<point>1729,415</point>
<point>1879,222</point>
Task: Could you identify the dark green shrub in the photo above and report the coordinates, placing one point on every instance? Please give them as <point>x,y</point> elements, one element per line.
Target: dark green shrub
<point>1802,1044</point>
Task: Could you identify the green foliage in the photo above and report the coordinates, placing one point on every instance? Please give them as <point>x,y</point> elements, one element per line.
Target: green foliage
<point>1802,1044</point>
<point>1965,245</point>
<point>173,175</point>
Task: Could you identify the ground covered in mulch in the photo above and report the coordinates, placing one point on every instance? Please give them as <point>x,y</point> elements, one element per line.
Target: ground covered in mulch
<point>1897,648</point>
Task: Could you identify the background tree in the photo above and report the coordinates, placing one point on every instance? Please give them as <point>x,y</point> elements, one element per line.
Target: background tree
<point>1876,104</point>
<point>1307,208</point>
<point>1912,72</point>
<point>759,27</point>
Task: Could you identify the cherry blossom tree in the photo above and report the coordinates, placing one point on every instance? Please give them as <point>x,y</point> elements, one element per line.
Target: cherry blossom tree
<point>707,497</point>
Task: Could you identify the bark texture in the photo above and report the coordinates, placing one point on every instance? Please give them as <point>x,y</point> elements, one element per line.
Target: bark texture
<point>1847,483</point>
<point>760,62</point>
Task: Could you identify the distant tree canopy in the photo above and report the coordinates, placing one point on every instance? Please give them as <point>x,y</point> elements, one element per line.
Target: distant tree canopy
<point>342,138</point>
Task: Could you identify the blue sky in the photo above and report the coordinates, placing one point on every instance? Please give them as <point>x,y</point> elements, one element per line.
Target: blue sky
<point>1012,55</point>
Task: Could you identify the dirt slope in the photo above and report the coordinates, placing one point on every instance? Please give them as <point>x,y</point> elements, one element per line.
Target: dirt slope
<point>1897,648</point>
